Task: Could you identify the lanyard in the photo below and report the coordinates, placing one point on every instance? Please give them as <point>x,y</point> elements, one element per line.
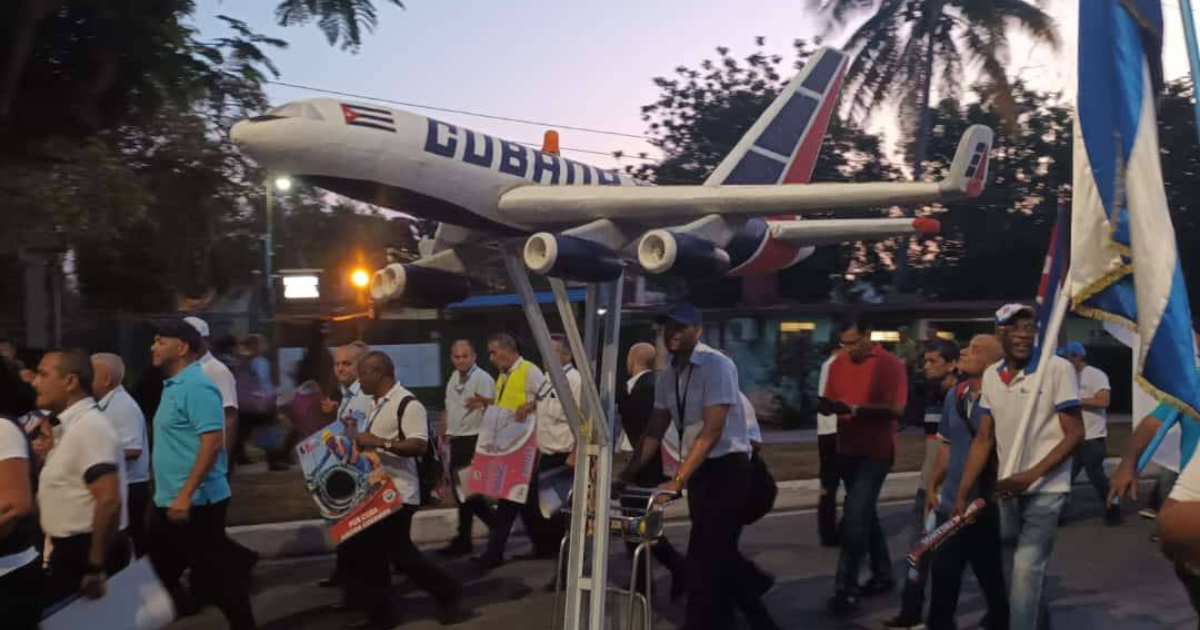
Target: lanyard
<point>379,405</point>
<point>346,403</point>
<point>681,403</point>
<point>547,387</point>
<point>461,385</point>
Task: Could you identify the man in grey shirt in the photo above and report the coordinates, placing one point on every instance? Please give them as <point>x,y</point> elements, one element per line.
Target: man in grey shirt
<point>467,393</point>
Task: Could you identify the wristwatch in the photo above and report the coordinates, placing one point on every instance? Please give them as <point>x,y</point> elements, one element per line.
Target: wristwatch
<point>387,445</point>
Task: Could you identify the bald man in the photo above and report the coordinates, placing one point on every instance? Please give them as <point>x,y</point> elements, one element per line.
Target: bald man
<point>108,372</point>
<point>466,390</point>
<point>635,402</point>
<point>979,544</point>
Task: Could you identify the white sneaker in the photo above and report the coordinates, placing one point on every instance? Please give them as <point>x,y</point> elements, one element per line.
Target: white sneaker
<point>1148,513</point>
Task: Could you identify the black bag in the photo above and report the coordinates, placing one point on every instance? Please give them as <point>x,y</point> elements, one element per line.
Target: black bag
<point>762,491</point>
<point>429,465</point>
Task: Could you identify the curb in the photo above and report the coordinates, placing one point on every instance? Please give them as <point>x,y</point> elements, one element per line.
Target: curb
<point>309,538</point>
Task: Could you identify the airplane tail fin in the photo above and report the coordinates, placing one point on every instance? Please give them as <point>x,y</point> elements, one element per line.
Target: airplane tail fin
<point>968,171</point>
<point>782,146</point>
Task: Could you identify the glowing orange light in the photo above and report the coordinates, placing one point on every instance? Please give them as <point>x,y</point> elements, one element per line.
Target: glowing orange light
<point>360,278</point>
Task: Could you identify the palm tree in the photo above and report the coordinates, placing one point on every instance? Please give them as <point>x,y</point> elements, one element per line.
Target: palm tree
<point>905,44</point>
<point>340,20</point>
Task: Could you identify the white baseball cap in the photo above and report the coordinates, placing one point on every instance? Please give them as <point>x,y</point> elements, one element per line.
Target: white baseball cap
<point>200,325</point>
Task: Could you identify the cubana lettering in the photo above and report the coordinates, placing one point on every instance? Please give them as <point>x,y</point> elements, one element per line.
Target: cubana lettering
<point>511,158</point>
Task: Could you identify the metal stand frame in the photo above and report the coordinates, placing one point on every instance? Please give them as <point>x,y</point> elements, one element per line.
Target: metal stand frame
<point>591,420</point>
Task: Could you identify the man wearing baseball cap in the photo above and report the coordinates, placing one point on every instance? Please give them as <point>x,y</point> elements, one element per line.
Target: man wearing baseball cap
<point>222,377</point>
<point>1032,499</point>
<point>1094,396</point>
<point>698,397</point>
<point>191,491</point>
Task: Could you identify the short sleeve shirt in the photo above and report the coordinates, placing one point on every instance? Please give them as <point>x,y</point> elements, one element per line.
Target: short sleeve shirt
<point>1092,381</point>
<point>1187,487</point>
<point>88,449</point>
<point>130,424</point>
<point>355,404</point>
<point>554,433</point>
<point>1169,453</point>
<point>826,423</point>
<point>709,379</point>
<point>878,380</point>
<point>190,407</point>
<point>14,446</point>
<point>385,423</point>
<point>753,431</point>
<point>461,421</point>
<point>954,432</point>
<point>220,375</point>
<point>1005,396</point>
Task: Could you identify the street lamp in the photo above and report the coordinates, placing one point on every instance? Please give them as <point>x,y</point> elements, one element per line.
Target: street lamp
<point>282,183</point>
<point>360,278</point>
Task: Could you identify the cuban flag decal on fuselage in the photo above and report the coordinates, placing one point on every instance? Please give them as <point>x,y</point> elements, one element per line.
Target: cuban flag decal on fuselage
<point>373,117</point>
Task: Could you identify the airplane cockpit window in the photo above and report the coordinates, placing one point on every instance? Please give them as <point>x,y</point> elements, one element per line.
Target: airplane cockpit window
<point>291,110</point>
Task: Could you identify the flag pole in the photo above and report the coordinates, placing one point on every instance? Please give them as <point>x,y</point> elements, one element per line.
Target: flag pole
<point>1193,50</point>
<point>1053,327</point>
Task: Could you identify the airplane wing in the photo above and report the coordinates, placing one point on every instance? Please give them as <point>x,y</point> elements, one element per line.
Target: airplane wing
<point>558,205</point>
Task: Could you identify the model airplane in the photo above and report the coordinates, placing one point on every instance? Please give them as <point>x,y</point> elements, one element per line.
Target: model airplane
<point>581,222</point>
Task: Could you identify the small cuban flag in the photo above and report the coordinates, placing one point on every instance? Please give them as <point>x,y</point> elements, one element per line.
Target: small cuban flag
<point>373,117</point>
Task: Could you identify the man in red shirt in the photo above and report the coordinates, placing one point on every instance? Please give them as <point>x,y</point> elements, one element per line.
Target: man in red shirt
<point>867,389</point>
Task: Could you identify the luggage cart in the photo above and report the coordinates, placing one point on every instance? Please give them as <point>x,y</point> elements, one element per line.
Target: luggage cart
<point>637,517</point>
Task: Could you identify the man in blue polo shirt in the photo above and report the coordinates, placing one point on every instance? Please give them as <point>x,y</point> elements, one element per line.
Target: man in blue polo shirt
<point>191,492</point>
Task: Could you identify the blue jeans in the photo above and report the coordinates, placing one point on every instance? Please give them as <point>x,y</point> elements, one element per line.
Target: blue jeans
<point>1029,524</point>
<point>861,532</point>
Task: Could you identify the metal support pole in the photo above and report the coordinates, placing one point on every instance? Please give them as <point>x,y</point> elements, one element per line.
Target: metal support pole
<point>576,581</point>
<point>269,249</point>
<point>592,307</point>
<point>599,433</point>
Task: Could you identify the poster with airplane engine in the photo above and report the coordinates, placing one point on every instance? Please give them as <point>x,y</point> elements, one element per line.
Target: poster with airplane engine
<point>504,455</point>
<point>351,488</point>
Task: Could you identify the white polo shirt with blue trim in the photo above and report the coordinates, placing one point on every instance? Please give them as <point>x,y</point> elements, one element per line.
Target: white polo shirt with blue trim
<point>1005,396</point>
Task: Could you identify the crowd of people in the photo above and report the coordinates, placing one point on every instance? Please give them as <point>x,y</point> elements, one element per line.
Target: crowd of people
<point>87,486</point>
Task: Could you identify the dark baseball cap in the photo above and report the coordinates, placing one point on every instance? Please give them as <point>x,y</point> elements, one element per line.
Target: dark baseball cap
<point>680,313</point>
<point>177,328</point>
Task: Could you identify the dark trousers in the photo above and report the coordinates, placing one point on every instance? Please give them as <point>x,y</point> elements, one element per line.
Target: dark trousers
<point>546,534</point>
<point>827,504</point>
<point>977,544</point>
<point>1089,456</point>
<point>719,578</point>
<point>199,544</point>
<point>366,558</point>
<point>462,451</point>
<point>139,517</point>
<point>22,596</point>
<point>69,563</point>
<point>861,531</point>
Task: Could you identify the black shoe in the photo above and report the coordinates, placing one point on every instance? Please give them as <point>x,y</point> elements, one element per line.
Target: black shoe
<point>877,586</point>
<point>843,604</point>
<point>1112,515</point>
<point>449,611</point>
<point>457,547</point>
<point>905,621</point>
<point>486,562</point>
<point>329,582</point>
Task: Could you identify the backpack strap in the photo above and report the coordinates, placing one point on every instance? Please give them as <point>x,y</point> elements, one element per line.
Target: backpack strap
<point>404,403</point>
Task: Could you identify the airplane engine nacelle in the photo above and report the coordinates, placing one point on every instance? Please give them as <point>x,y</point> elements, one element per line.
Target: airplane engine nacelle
<point>754,252</point>
<point>682,255</point>
<point>571,258</point>
<point>418,286</point>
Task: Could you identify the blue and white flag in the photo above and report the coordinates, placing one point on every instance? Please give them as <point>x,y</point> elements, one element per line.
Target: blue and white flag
<point>1124,261</point>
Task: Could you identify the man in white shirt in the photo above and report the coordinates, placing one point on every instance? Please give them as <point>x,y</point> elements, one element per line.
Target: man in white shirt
<point>1036,494</point>
<point>81,488</point>
<point>127,419</point>
<point>517,391</point>
<point>698,397</point>
<point>354,404</point>
<point>398,432</point>
<point>226,384</point>
<point>827,528</point>
<point>466,392</point>
<point>1094,396</point>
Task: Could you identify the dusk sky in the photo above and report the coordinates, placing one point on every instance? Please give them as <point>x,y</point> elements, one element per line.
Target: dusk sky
<point>587,65</point>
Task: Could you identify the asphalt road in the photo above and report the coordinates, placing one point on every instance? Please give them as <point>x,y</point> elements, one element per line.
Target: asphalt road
<point>1100,578</point>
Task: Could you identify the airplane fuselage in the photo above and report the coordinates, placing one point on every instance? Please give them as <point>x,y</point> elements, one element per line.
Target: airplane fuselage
<point>407,162</point>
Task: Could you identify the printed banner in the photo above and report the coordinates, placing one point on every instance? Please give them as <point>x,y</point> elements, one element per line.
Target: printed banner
<point>135,600</point>
<point>351,488</point>
<point>504,456</point>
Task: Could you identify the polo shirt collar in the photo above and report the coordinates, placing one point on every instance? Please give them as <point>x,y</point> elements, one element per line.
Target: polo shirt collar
<point>515,365</point>
<point>393,390</point>
<point>108,398</point>
<point>183,374</point>
<point>697,352</point>
<point>76,411</point>
<point>354,389</point>
<point>469,375</point>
